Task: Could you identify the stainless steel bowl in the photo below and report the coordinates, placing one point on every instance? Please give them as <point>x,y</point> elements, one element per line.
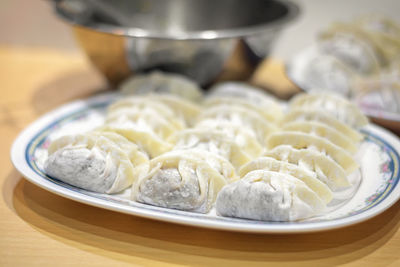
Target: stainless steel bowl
<point>192,37</point>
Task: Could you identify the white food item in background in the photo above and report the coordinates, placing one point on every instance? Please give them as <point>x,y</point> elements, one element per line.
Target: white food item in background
<point>268,196</point>
<point>94,162</point>
<point>162,83</point>
<point>353,51</point>
<point>303,140</point>
<point>245,138</point>
<point>213,141</point>
<point>322,116</point>
<point>180,180</point>
<point>308,177</point>
<point>339,107</point>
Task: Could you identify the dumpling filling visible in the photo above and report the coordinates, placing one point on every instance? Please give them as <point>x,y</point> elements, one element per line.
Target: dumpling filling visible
<point>268,196</point>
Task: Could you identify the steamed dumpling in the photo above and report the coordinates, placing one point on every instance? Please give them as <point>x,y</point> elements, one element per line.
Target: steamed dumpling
<point>268,196</point>
<point>180,180</point>
<point>162,83</point>
<point>95,162</point>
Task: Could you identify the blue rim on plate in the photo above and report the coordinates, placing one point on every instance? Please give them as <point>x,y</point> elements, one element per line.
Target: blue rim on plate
<point>35,137</point>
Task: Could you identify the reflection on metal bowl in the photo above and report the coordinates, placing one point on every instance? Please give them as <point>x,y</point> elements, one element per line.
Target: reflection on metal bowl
<point>191,37</point>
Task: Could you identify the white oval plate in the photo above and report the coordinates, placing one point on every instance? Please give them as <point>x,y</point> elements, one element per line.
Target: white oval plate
<point>378,191</point>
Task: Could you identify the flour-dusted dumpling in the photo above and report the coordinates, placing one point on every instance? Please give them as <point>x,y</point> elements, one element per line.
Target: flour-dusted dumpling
<point>353,48</point>
<point>142,104</point>
<point>245,138</point>
<point>339,107</point>
<point>308,177</point>
<point>322,130</point>
<point>244,91</point>
<point>271,112</point>
<point>145,120</point>
<point>318,70</point>
<point>146,140</point>
<point>327,169</point>
<point>240,116</point>
<point>306,114</point>
<point>184,109</point>
<point>303,140</point>
<point>94,162</point>
<point>268,196</point>
<point>213,141</point>
<point>162,83</point>
<point>179,180</point>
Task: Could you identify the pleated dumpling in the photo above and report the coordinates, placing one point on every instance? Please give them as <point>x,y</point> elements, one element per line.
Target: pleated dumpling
<point>213,141</point>
<point>162,83</point>
<point>327,170</point>
<point>320,115</point>
<point>184,109</point>
<point>339,107</point>
<point>271,112</point>
<point>136,104</point>
<point>322,130</point>
<point>95,162</point>
<point>301,140</point>
<point>244,91</point>
<point>180,180</point>
<point>353,47</point>
<point>268,196</point>
<point>147,141</point>
<point>240,116</point>
<point>307,176</point>
<point>245,138</point>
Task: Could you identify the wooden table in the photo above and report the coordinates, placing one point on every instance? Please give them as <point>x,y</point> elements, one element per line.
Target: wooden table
<point>42,229</point>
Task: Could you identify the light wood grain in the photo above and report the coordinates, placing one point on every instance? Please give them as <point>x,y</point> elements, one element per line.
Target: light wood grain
<point>40,228</point>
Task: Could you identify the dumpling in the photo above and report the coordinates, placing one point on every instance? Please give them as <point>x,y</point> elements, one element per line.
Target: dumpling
<point>184,110</point>
<point>240,116</point>
<point>146,140</point>
<point>244,91</point>
<point>305,114</point>
<point>245,138</point>
<point>271,112</point>
<point>95,162</point>
<point>147,120</point>
<point>322,130</point>
<point>352,47</point>
<point>308,177</point>
<point>143,103</point>
<point>302,140</point>
<point>337,106</point>
<point>327,169</point>
<point>268,196</point>
<point>213,141</point>
<point>179,180</point>
<point>162,83</point>
<point>312,69</point>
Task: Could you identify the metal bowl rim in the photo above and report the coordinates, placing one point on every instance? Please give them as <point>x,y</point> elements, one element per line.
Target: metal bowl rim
<point>292,8</point>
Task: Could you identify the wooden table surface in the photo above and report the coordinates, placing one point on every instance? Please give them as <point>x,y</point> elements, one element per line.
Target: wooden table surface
<point>41,228</point>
